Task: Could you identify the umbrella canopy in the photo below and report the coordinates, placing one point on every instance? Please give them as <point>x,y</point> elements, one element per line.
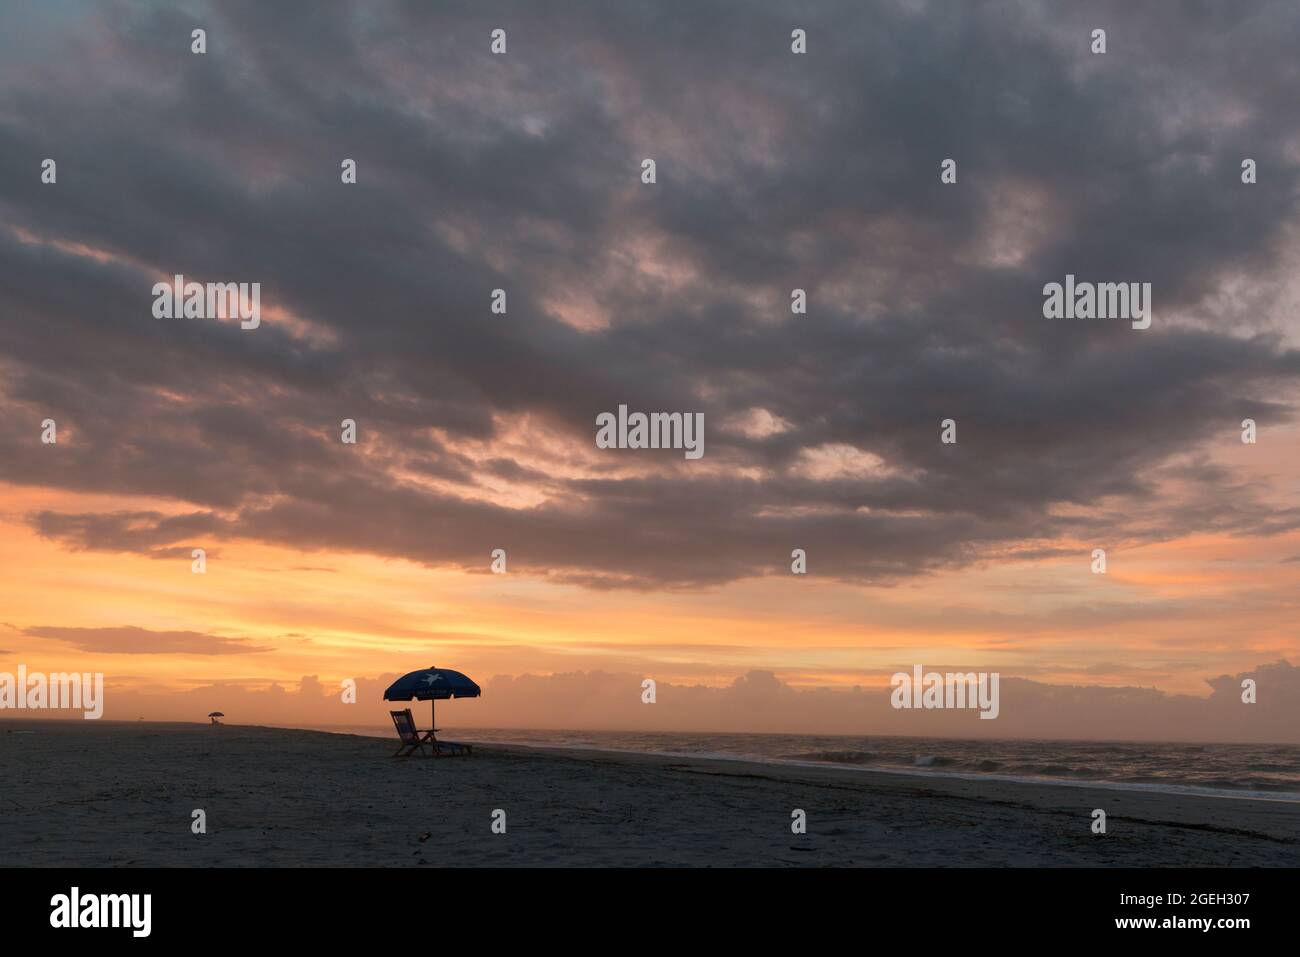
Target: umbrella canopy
<point>216,714</point>
<point>432,684</point>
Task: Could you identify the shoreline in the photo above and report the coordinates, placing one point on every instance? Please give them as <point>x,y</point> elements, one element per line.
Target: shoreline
<point>921,773</point>
<point>918,771</point>
<point>125,795</point>
<point>1173,790</point>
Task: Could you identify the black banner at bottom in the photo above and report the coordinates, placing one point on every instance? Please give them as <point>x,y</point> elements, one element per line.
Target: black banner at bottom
<point>304,907</point>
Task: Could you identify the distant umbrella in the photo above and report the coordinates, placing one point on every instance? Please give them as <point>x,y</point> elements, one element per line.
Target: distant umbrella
<point>214,715</point>
<point>432,684</point>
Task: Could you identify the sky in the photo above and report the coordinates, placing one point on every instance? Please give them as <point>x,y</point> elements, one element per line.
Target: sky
<point>522,171</point>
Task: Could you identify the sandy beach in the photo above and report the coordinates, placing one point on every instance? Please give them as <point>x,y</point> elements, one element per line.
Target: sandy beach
<point>109,794</point>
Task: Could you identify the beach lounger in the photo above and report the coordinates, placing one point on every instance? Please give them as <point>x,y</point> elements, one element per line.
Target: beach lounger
<point>413,738</point>
<point>453,749</point>
<point>408,733</point>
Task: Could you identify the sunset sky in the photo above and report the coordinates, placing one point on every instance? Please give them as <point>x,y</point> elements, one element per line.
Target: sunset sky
<point>476,431</point>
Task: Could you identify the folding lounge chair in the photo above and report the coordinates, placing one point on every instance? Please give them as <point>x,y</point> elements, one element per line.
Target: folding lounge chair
<point>413,738</point>
<point>410,736</point>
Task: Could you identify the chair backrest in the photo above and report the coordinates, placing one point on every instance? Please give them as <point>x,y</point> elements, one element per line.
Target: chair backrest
<point>405,725</point>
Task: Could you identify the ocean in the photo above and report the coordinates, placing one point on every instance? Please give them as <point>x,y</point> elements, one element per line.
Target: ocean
<point>1227,770</point>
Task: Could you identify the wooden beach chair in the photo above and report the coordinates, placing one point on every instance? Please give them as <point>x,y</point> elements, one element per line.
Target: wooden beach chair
<point>413,738</point>
<point>408,733</point>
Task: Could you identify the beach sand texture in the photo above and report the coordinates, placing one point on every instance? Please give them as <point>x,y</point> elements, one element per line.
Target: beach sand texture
<point>121,794</point>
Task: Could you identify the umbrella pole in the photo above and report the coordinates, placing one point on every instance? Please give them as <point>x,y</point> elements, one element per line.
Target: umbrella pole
<point>433,717</point>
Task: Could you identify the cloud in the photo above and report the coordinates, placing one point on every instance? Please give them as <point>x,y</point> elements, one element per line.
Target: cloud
<point>762,702</point>
<point>131,640</point>
<point>148,533</point>
<point>776,171</point>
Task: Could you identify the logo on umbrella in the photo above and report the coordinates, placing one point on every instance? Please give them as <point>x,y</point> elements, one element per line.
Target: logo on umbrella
<point>430,679</point>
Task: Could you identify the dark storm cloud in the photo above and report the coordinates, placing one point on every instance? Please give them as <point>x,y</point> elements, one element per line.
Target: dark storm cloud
<point>521,172</point>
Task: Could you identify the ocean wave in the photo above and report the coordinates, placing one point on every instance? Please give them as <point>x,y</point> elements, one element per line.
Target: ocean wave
<point>834,757</point>
<point>1226,770</point>
<point>932,761</point>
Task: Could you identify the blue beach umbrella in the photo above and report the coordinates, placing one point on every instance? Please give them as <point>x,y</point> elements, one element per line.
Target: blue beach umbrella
<point>432,684</point>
